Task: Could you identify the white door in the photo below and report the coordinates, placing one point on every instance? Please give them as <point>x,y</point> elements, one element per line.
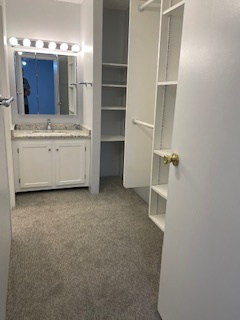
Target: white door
<point>200,272</point>
<point>5,224</point>
<point>35,164</point>
<point>70,163</point>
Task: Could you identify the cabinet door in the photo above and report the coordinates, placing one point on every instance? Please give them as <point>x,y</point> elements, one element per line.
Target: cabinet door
<point>70,163</point>
<point>35,164</point>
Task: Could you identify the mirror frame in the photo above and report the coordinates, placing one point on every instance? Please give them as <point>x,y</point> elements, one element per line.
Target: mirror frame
<point>39,118</point>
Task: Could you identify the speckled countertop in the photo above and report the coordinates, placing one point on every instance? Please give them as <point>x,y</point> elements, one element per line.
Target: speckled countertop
<point>38,130</point>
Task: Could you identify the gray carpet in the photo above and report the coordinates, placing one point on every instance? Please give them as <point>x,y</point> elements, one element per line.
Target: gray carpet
<point>80,256</point>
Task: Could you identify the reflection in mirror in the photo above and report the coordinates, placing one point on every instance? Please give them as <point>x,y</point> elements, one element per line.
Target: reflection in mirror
<point>46,83</point>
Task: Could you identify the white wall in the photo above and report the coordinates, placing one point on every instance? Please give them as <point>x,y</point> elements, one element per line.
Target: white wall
<point>143,193</point>
<point>91,71</point>
<point>142,74</point>
<point>86,56</point>
<point>46,20</point>
<point>30,18</point>
<point>70,22</point>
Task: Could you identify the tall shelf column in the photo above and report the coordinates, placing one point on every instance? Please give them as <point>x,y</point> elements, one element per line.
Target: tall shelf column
<point>171,20</point>
<point>114,87</point>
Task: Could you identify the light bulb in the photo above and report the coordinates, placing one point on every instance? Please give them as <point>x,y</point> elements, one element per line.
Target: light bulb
<point>13,41</point>
<point>39,44</point>
<point>64,46</point>
<point>75,48</point>
<point>19,53</point>
<point>26,42</point>
<point>52,45</point>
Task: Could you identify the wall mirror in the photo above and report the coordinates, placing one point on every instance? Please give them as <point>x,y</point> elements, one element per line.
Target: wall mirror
<point>46,83</point>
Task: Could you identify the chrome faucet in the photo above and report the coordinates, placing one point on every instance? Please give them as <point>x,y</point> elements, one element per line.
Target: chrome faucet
<point>5,101</point>
<point>49,124</point>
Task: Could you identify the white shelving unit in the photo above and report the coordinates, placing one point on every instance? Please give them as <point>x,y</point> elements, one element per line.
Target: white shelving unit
<point>111,138</point>
<point>170,5</point>
<point>159,220</point>
<point>114,108</point>
<point>114,87</point>
<point>176,9</point>
<point>167,83</point>
<point>115,65</point>
<point>163,152</point>
<point>161,190</point>
<point>171,19</point>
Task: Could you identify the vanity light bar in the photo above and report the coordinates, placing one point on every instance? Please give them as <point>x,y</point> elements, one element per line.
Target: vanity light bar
<point>40,44</point>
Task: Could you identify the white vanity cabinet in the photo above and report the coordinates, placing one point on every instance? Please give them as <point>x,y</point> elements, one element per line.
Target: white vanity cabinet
<point>70,161</point>
<point>50,164</point>
<point>34,164</point>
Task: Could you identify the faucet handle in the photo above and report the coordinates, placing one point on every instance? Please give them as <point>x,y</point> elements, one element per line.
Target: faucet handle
<point>49,124</point>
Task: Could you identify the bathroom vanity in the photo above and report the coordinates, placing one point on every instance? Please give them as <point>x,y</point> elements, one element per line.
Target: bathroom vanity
<point>50,159</point>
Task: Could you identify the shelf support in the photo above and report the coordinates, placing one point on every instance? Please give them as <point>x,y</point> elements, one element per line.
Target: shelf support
<point>141,123</point>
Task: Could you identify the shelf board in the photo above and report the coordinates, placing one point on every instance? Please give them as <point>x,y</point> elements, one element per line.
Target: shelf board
<point>112,138</point>
<point>163,152</point>
<point>114,85</point>
<point>159,220</point>
<point>175,10</point>
<point>114,65</point>
<point>161,189</point>
<point>114,108</point>
<point>167,83</point>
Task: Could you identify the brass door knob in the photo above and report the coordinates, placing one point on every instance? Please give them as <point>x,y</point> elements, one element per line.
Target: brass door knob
<point>174,158</point>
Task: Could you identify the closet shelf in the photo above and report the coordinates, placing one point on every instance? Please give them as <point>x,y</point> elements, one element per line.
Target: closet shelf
<point>112,138</point>
<point>114,65</point>
<point>114,85</point>
<point>161,189</point>
<point>163,152</point>
<point>114,108</point>
<point>159,220</point>
<point>176,10</point>
<point>167,83</point>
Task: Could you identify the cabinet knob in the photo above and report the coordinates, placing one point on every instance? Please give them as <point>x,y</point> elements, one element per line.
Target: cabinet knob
<point>49,149</point>
<point>57,150</point>
<point>174,158</point>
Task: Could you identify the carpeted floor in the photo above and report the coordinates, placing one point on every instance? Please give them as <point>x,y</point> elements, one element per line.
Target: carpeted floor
<point>80,256</point>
